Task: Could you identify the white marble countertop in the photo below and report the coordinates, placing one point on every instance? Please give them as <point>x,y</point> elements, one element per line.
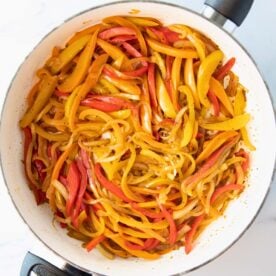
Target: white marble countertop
<point>23,24</point>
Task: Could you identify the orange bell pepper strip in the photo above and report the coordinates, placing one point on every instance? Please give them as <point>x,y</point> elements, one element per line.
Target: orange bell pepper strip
<point>88,31</point>
<point>122,21</point>
<point>46,89</point>
<point>224,70</point>
<point>171,51</point>
<point>163,98</point>
<point>68,54</point>
<point>94,242</point>
<point>205,71</point>
<point>116,31</point>
<point>235,123</point>
<point>189,79</point>
<point>144,21</point>
<point>81,69</point>
<point>217,88</point>
<point>173,230</point>
<point>245,163</point>
<point>190,235</point>
<point>226,188</point>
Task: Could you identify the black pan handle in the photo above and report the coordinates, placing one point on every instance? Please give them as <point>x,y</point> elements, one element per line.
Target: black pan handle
<point>234,10</point>
<point>40,267</point>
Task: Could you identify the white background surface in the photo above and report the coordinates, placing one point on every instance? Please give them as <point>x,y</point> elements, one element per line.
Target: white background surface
<point>24,22</point>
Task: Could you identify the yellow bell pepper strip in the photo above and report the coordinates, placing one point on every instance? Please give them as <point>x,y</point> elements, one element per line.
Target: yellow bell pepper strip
<point>59,137</point>
<point>171,51</point>
<point>214,144</point>
<point>239,103</point>
<point>116,31</point>
<point>239,106</point>
<point>160,63</point>
<point>46,89</point>
<point>189,79</point>
<point>121,114</point>
<point>114,52</point>
<point>81,69</point>
<point>88,31</point>
<point>146,117</point>
<point>205,71</point>
<point>163,98</point>
<point>68,54</point>
<point>224,70</point>
<point>190,235</point>
<point>198,44</point>
<point>127,23</point>
<point>175,77</point>
<point>183,30</point>
<point>126,86</point>
<point>235,123</point>
<point>189,126</point>
<point>144,21</point>
<point>77,96</point>
<point>217,88</point>
<point>214,100</point>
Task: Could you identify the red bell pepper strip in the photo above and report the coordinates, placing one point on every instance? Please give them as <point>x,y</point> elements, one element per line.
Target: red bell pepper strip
<point>152,87</point>
<point>245,155</point>
<point>63,180</point>
<point>122,38</point>
<point>59,93</point>
<point>83,184</point>
<point>213,98</point>
<point>133,246</point>
<point>151,243</point>
<point>73,183</point>
<point>138,72</point>
<point>60,214</point>
<point>224,70</point>
<point>131,50</point>
<point>40,196</point>
<point>168,83</point>
<point>226,188</point>
<point>110,186</point>
<point>190,235</point>
<point>169,218</point>
<point>102,106</point>
<point>210,162</point>
<point>116,31</point>
<point>85,158</point>
<point>114,100</point>
<point>94,242</point>
<point>40,167</point>
<point>170,35</point>
<point>27,140</point>
<point>160,35</point>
